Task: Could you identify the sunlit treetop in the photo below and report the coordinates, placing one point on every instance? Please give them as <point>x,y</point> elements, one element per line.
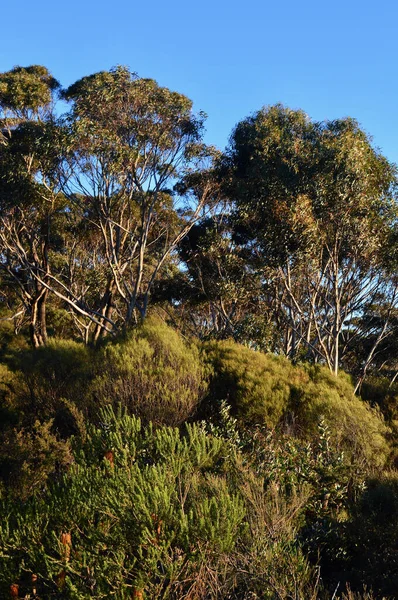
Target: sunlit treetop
<point>26,92</point>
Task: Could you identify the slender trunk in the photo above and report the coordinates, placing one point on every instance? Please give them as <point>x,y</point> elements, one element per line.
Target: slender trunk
<point>35,326</point>
<point>336,353</point>
<point>42,316</point>
<point>106,310</point>
<point>393,380</point>
<point>337,316</point>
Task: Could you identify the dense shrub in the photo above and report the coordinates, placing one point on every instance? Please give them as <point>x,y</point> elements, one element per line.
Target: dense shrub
<point>233,507</point>
<point>256,385</point>
<point>29,458</point>
<point>268,390</point>
<point>153,372</point>
<point>159,513</point>
<point>36,415</point>
<point>11,343</point>
<point>372,536</point>
<point>142,510</point>
<point>357,428</point>
<point>60,370</point>
<point>9,383</point>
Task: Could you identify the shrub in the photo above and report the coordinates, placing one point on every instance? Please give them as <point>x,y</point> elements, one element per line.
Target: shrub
<point>9,383</point>
<point>29,458</point>
<point>153,372</point>
<point>256,385</point>
<point>142,510</point>
<point>52,379</point>
<point>162,513</point>
<point>268,390</point>
<point>356,427</point>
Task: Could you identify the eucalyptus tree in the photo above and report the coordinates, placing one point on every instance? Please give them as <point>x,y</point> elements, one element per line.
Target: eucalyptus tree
<point>217,294</point>
<point>316,203</point>
<point>30,203</point>
<point>133,148</point>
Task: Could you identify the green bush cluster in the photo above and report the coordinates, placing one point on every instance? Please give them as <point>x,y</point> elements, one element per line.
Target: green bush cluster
<point>168,513</point>
<point>54,373</point>
<point>269,390</point>
<point>101,495</point>
<point>256,385</point>
<point>358,428</point>
<point>29,458</point>
<point>141,510</point>
<point>153,372</point>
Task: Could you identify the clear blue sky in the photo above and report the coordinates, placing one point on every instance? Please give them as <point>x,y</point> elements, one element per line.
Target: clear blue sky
<point>332,59</point>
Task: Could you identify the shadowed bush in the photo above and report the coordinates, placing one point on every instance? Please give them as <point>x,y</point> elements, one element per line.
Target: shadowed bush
<point>52,379</point>
<point>29,458</point>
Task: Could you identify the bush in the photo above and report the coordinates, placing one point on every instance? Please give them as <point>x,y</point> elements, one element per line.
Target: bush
<point>142,510</point>
<point>268,390</point>
<point>9,383</point>
<point>53,383</point>
<point>29,458</point>
<point>153,372</point>
<point>356,427</point>
<point>256,385</point>
<point>158,513</point>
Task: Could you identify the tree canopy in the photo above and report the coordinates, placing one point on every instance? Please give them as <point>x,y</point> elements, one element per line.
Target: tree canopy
<point>286,241</point>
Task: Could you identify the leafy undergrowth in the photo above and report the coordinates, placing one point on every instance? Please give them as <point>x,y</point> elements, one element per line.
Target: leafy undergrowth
<point>156,468</point>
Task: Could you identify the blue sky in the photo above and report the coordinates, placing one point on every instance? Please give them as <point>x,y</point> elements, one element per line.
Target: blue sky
<point>332,59</point>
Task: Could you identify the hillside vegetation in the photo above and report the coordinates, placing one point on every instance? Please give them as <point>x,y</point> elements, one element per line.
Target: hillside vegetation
<point>198,350</point>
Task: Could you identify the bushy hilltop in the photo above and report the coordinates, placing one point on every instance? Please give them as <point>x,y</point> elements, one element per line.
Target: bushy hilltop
<point>156,466</point>
<point>198,349</point>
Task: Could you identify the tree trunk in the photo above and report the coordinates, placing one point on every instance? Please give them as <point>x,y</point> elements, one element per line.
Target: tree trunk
<point>38,324</point>
<point>106,310</point>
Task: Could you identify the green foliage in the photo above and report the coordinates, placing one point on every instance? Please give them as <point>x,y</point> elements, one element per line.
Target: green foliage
<point>289,175</point>
<point>153,372</point>
<point>358,429</point>
<point>170,513</point>
<point>29,458</point>
<point>268,390</point>
<point>51,375</point>
<point>314,469</point>
<point>102,101</point>
<point>9,382</point>
<point>26,88</point>
<point>381,393</point>
<point>144,510</point>
<point>288,487</point>
<point>314,206</point>
<point>256,385</point>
